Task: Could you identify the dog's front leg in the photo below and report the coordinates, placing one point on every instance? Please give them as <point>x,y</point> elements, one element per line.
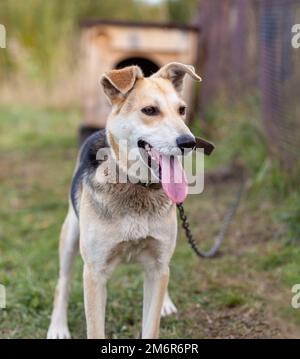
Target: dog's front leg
<point>155,287</point>
<point>95,302</point>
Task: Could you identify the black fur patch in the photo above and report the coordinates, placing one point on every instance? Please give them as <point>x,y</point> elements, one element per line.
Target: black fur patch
<point>88,163</point>
<point>86,131</point>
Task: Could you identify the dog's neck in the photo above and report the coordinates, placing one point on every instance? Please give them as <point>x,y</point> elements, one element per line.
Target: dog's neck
<point>136,197</point>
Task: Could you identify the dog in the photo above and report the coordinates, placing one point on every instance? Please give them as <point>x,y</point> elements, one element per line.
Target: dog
<point>131,221</point>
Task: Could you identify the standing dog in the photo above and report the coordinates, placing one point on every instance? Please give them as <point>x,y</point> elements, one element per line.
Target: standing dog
<point>136,220</point>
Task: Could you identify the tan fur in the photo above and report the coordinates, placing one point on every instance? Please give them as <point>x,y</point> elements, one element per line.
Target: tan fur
<point>67,250</point>
<point>128,251</point>
<point>117,83</point>
<point>158,287</point>
<point>174,72</point>
<point>63,234</point>
<point>123,79</point>
<point>95,300</point>
<point>163,285</point>
<point>114,144</point>
<point>121,222</point>
<point>140,97</point>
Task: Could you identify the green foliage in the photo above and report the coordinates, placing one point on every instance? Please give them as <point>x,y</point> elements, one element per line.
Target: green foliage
<point>237,133</point>
<point>42,35</point>
<point>291,218</point>
<point>181,11</point>
<point>274,259</point>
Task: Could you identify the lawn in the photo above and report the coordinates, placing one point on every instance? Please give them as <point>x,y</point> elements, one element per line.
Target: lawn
<point>245,292</point>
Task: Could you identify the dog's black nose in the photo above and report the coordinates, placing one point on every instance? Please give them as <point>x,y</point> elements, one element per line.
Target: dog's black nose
<point>186,142</point>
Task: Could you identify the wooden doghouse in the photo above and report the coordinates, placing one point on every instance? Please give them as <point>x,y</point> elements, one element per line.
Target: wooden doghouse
<point>107,45</point>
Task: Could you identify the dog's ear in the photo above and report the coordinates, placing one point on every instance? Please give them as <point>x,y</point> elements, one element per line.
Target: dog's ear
<point>117,83</point>
<point>175,72</point>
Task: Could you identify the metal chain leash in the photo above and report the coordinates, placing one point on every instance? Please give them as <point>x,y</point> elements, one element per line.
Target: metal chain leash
<point>225,225</point>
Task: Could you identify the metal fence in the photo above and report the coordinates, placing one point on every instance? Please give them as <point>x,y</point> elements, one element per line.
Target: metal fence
<point>280,78</point>
<point>245,48</point>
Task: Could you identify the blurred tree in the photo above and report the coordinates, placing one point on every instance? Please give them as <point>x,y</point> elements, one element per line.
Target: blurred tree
<point>181,11</point>
<point>41,33</point>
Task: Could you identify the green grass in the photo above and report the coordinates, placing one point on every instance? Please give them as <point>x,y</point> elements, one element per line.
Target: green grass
<point>244,292</point>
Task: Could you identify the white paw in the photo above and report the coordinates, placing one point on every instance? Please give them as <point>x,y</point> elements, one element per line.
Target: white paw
<point>58,332</point>
<point>168,307</point>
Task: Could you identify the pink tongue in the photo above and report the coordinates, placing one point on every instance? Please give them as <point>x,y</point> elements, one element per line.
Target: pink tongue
<point>173,178</point>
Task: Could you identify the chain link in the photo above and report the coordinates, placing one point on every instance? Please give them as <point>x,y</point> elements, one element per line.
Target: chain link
<point>220,238</point>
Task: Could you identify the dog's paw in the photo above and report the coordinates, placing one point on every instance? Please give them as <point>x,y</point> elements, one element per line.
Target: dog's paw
<point>168,307</point>
<point>58,332</point>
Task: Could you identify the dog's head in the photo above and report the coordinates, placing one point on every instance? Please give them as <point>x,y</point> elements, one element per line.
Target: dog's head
<point>148,115</point>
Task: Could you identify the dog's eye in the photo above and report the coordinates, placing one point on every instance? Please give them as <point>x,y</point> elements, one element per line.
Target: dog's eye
<point>182,110</point>
<point>150,110</point>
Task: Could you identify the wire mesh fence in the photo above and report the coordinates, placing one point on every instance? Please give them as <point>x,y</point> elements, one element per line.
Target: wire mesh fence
<point>280,78</point>
<point>245,48</point>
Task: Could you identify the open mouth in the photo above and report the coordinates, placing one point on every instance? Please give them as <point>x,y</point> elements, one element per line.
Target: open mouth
<point>167,169</point>
<point>150,157</point>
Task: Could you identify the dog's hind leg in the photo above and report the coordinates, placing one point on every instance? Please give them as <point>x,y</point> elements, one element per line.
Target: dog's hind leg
<point>68,248</point>
<point>168,307</point>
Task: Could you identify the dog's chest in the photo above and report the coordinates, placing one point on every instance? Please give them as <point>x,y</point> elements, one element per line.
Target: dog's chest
<point>133,224</point>
<point>134,227</point>
<point>127,224</point>
<point>134,251</point>
<point>134,211</point>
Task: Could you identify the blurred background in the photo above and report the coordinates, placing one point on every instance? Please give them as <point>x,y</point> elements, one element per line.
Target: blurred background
<point>247,104</point>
